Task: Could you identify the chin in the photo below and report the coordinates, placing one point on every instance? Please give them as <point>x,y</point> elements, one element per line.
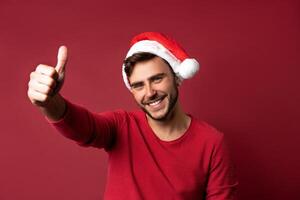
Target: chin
<point>158,117</point>
<point>161,115</point>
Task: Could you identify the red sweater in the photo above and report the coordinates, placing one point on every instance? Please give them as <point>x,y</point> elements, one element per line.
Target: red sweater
<point>141,166</point>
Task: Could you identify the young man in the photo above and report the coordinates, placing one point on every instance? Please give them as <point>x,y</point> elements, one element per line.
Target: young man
<point>161,153</point>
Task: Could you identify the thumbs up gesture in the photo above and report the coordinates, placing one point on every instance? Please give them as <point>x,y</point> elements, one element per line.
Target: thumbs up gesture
<point>46,81</point>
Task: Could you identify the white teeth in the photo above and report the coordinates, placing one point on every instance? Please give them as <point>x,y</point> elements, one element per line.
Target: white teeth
<point>155,103</point>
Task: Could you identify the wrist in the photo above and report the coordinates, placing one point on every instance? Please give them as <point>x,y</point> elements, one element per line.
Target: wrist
<point>55,108</point>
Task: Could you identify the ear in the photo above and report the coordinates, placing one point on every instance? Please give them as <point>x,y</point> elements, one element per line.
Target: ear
<point>178,81</point>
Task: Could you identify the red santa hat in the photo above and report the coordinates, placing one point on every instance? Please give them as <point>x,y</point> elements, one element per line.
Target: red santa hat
<point>166,48</point>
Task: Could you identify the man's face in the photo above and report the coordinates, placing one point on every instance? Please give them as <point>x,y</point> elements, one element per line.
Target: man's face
<point>154,88</point>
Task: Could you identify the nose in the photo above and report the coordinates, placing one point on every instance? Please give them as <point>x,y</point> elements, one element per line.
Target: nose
<point>150,91</point>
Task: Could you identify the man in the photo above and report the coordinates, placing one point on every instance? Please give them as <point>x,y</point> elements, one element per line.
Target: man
<point>161,153</point>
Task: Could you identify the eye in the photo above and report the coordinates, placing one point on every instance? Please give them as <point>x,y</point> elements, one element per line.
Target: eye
<point>157,79</point>
<point>137,86</point>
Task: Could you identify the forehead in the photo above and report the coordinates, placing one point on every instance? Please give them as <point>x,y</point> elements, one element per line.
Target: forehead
<point>143,70</point>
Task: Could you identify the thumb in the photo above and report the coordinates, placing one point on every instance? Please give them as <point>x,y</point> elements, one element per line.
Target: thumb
<point>62,58</point>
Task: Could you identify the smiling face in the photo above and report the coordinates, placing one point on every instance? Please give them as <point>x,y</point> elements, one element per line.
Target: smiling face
<point>154,88</point>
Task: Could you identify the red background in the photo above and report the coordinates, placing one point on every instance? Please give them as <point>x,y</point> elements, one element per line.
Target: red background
<point>248,87</point>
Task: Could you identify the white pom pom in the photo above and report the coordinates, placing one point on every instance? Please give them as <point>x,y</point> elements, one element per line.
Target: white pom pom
<point>188,68</point>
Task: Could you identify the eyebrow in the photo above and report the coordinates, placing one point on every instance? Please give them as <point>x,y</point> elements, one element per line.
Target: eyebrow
<point>151,78</point>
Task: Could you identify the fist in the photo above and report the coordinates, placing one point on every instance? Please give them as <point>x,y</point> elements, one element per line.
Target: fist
<point>46,81</point>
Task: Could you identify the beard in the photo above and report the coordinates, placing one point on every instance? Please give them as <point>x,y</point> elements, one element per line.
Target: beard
<point>173,97</point>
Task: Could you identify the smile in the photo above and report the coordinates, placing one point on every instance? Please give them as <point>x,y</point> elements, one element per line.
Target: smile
<point>155,102</point>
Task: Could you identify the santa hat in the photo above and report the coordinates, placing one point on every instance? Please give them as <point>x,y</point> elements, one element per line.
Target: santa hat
<point>166,48</point>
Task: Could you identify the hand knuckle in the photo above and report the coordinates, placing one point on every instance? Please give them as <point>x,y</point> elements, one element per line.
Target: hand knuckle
<point>28,93</point>
<point>44,98</point>
<point>39,67</point>
<point>48,90</point>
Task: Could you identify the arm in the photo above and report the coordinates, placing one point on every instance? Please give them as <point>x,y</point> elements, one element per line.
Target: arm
<point>222,182</point>
<point>88,128</point>
<point>73,121</point>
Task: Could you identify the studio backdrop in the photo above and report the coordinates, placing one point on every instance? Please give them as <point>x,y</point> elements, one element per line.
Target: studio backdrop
<point>247,87</point>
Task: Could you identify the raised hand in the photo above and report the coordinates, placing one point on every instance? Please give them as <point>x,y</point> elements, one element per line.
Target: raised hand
<point>46,81</point>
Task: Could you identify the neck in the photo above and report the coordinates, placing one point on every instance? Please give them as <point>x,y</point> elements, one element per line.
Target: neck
<point>174,126</point>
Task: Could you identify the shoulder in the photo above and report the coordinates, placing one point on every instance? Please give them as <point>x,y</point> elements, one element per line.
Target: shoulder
<point>206,131</point>
<point>209,137</point>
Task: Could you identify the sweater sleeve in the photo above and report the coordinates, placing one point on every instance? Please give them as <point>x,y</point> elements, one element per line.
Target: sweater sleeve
<point>222,182</point>
<point>88,128</point>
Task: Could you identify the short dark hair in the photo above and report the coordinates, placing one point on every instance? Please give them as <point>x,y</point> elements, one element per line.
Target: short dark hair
<point>131,61</point>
